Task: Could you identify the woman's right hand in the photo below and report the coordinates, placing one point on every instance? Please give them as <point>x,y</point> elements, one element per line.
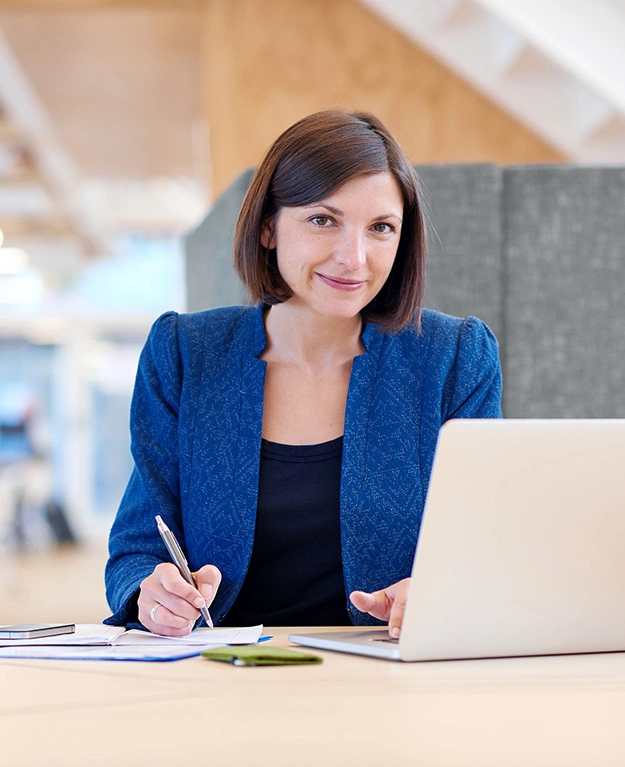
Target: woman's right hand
<point>177,601</point>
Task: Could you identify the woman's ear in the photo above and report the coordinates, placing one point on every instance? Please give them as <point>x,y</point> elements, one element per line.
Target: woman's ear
<point>267,236</point>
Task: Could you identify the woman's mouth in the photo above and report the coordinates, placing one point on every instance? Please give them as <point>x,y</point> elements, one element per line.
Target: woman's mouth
<point>340,283</point>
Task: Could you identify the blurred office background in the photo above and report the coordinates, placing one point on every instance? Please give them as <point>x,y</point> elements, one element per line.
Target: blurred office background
<point>121,121</point>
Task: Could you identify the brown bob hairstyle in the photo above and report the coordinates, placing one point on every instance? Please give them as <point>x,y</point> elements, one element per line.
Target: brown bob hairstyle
<point>306,164</point>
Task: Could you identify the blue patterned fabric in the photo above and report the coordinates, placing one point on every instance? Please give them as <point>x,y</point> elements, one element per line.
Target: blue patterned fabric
<point>196,425</point>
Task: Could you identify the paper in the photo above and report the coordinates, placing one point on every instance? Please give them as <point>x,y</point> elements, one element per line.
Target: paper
<point>98,642</point>
<point>203,637</point>
<point>97,635</point>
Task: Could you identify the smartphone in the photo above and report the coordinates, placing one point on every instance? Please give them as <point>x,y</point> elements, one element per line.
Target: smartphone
<point>35,630</point>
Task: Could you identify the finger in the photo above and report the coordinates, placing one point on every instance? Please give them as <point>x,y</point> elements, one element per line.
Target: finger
<point>208,579</point>
<point>362,601</point>
<point>177,605</point>
<point>156,617</point>
<point>171,580</point>
<point>154,592</point>
<point>398,609</point>
<point>165,622</point>
<point>376,603</point>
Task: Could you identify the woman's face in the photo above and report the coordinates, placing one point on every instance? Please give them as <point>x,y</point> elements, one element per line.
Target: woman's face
<point>336,254</point>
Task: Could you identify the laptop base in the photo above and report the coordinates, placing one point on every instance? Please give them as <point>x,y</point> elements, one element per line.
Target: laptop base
<point>374,643</point>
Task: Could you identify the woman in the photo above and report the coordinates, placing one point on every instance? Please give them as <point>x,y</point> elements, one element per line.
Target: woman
<point>288,445</point>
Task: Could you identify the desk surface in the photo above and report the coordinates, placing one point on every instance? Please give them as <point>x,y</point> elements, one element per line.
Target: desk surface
<point>564,710</point>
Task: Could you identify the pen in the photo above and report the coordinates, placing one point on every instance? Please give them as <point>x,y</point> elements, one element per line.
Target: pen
<point>179,559</point>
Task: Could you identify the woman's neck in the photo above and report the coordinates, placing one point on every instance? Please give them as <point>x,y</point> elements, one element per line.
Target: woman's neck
<point>296,334</point>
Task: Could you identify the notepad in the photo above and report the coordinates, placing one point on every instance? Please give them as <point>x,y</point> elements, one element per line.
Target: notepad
<point>98,642</point>
<point>94,634</point>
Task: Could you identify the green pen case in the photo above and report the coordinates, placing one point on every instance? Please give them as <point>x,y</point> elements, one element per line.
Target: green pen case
<point>255,655</point>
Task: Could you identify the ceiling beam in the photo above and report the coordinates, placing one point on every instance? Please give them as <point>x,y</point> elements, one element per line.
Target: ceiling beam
<point>8,132</point>
<point>22,108</point>
<point>89,5</point>
<point>22,176</point>
<point>17,228</point>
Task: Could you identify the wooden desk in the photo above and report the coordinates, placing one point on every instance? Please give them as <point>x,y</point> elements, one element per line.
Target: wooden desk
<point>565,710</point>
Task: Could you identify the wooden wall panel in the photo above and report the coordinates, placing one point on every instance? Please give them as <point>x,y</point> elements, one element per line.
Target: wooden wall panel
<point>269,62</point>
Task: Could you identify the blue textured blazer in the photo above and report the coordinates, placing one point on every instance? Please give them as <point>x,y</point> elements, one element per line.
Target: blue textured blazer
<point>196,425</point>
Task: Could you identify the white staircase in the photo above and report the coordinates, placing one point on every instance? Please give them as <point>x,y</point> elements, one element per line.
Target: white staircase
<point>557,66</point>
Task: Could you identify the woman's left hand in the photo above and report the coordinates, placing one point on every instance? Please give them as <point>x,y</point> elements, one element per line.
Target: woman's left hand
<point>386,605</point>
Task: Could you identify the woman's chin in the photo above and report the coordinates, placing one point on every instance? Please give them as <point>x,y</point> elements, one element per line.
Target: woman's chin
<point>338,310</point>
<point>340,313</point>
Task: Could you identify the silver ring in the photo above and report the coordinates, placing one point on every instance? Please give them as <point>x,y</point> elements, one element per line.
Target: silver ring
<point>153,612</point>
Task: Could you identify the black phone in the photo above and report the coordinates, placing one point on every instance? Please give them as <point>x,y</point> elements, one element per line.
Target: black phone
<point>35,630</point>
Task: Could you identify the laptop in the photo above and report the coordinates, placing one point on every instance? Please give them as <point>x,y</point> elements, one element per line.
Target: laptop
<point>521,549</point>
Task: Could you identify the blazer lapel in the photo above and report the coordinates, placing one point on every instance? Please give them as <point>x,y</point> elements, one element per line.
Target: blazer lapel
<point>359,400</point>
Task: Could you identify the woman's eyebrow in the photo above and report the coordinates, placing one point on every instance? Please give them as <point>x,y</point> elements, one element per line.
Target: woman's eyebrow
<point>338,212</point>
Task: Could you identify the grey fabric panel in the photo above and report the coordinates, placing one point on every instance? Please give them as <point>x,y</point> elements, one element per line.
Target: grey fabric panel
<point>565,261</point>
<point>210,276</point>
<point>555,246</point>
<point>464,274</point>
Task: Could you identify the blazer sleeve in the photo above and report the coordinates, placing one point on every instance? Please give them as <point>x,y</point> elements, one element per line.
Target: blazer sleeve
<point>473,388</point>
<point>135,547</point>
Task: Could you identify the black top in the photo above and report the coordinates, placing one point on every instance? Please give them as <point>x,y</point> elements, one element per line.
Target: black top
<point>295,576</point>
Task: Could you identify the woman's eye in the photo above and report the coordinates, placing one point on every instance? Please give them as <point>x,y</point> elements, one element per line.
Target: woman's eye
<point>321,220</point>
<point>384,228</point>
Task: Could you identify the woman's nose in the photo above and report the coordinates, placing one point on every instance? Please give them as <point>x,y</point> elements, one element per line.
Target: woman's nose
<point>351,251</point>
